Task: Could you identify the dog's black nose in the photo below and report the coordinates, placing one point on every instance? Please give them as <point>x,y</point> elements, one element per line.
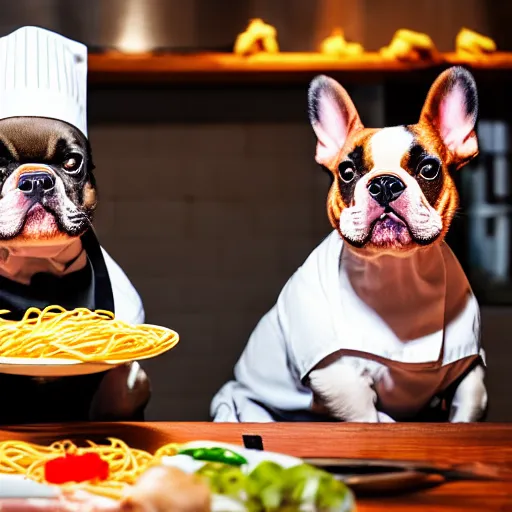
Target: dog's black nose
<point>385,189</point>
<point>36,183</point>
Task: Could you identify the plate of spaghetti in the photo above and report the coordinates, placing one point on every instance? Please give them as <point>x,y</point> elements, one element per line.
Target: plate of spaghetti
<point>201,476</point>
<point>55,342</point>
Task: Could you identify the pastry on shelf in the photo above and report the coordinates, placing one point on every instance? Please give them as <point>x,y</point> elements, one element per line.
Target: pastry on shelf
<point>337,46</point>
<point>410,46</point>
<point>472,44</point>
<point>259,37</point>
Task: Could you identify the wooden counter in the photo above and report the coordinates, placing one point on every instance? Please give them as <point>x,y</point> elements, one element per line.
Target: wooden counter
<point>486,443</point>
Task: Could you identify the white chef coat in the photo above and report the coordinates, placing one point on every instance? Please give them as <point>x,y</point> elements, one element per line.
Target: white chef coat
<point>127,302</point>
<point>388,317</point>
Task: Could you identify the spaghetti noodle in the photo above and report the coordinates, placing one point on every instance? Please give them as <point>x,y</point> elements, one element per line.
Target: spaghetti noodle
<point>81,334</point>
<point>167,450</point>
<point>125,464</point>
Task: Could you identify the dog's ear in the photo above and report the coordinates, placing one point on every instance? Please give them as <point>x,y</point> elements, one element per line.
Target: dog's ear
<point>451,108</point>
<point>333,117</point>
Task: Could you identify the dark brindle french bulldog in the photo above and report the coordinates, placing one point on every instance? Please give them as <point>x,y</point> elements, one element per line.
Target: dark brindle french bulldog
<point>49,255</point>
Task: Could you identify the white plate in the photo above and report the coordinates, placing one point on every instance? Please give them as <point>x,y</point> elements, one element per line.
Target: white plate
<point>43,367</point>
<point>253,457</point>
<point>19,486</point>
<point>54,367</point>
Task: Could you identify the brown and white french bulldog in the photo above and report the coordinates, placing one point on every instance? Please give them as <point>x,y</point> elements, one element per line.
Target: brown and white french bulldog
<point>393,195</point>
<point>392,190</point>
<point>49,255</point>
<point>380,323</point>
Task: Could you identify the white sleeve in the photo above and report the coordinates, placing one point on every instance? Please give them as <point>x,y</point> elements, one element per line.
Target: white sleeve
<point>265,374</point>
<point>127,302</point>
<point>286,343</point>
<point>267,369</point>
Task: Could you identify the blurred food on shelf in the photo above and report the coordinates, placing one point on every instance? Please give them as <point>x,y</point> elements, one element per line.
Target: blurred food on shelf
<point>410,46</point>
<point>472,44</point>
<point>256,57</point>
<point>337,46</point>
<point>259,37</point>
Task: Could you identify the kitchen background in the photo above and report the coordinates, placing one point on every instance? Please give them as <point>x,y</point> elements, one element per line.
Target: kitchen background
<point>210,197</point>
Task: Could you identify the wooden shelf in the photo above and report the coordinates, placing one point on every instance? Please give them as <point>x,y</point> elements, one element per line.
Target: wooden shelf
<point>284,67</point>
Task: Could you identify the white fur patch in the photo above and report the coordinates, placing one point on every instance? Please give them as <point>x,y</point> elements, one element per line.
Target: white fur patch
<point>133,375</point>
<point>348,394</point>
<point>470,400</point>
<point>388,146</point>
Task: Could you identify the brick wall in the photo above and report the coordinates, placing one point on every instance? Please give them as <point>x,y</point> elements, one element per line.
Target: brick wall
<point>208,228</point>
<point>210,199</point>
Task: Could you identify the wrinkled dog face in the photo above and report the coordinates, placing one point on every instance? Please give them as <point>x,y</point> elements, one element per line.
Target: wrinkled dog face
<point>47,190</point>
<point>392,190</point>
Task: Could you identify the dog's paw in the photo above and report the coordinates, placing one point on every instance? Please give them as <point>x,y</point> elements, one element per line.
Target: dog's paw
<point>347,395</point>
<point>384,418</point>
<point>470,400</point>
<point>123,393</point>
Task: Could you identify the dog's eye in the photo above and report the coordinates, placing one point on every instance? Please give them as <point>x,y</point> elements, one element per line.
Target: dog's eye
<point>429,169</point>
<point>346,172</point>
<point>72,163</point>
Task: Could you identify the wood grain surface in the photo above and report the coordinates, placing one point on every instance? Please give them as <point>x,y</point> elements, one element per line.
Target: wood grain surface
<point>446,443</point>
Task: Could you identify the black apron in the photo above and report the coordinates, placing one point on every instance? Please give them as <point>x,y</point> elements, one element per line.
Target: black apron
<point>27,400</point>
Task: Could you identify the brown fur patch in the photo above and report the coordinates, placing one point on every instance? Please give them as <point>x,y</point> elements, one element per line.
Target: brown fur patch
<point>11,148</point>
<point>52,145</point>
<point>22,141</point>
<point>447,204</point>
<point>90,197</point>
<point>341,194</point>
<point>427,137</point>
<point>447,200</point>
<point>31,168</point>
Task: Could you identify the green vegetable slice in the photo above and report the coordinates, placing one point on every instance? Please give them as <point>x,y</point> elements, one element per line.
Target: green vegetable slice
<point>264,474</point>
<point>215,454</point>
<point>271,488</point>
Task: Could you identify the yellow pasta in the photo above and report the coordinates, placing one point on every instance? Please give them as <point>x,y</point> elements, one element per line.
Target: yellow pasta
<point>81,334</point>
<point>125,464</point>
<point>167,451</point>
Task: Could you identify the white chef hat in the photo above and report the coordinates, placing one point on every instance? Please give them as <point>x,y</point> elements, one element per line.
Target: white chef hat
<point>43,74</point>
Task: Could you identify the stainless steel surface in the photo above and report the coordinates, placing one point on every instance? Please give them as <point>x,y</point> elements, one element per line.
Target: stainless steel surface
<point>133,25</point>
<point>373,477</point>
<point>138,25</point>
<point>475,471</point>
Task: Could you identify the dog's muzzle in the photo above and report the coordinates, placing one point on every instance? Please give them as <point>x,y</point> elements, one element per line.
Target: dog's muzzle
<point>36,184</point>
<point>385,189</point>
